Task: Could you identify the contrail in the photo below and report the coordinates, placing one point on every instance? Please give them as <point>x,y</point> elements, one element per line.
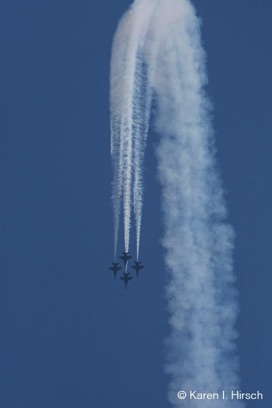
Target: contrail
<point>121,100</point>
<point>130,100</point>
<point>158,54</point>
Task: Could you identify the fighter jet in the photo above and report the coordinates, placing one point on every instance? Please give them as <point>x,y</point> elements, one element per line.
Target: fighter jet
<point>125,257</point>
<point>115,268</point>
<point>137,267</point>
<point>126,278</point>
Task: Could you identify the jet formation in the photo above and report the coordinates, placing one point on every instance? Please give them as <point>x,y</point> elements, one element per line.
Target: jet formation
<point>125,257</point>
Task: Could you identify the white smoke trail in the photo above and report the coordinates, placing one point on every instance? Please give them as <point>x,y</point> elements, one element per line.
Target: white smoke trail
<point>130,100</point>
<point>163,55</point>
<point>121,98</point>
<point>142,111</point>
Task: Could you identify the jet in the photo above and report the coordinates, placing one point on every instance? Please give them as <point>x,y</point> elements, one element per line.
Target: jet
<point>115,268</point>
<point>126,278</point>
<point>125,257</point>
<point>137,267</point>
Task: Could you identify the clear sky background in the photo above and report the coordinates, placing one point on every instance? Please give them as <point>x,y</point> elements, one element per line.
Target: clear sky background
<point>71,336</point>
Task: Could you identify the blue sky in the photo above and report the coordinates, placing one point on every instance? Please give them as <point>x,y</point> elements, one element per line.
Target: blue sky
<point>70,335</point>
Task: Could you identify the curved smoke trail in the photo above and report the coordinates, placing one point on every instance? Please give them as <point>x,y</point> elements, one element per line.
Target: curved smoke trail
<point>130,99</point>
<point>157,51</point>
